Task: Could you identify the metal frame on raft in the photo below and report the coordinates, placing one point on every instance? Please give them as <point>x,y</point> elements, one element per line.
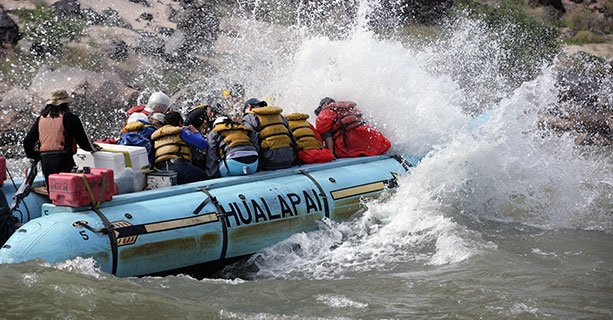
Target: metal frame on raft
<point>212,221</point>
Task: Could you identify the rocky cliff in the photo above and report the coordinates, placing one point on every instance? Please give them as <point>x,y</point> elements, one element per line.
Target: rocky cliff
<point>111,54</point>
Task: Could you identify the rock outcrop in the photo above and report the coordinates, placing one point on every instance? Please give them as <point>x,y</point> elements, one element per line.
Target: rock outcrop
<point>585,104</point>
<point>112,53</point>
<point>9,31</point>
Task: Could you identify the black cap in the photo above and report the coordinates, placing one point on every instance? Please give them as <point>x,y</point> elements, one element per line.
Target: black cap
<point>322,103</point>
<point>196,117</point>
<point>255,102</point>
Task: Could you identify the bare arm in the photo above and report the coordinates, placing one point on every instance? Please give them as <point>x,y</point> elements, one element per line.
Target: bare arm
<point>329,142</point>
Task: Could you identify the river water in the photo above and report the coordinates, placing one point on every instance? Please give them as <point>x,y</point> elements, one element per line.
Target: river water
<point>498,221</point>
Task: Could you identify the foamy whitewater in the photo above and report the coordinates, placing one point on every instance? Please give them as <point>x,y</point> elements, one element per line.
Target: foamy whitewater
<point>499,220</point>
<point>505,169</point>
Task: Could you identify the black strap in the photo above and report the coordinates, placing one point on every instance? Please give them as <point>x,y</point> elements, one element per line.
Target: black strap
<point>306,136</point>
<point>183,156</point>
<point>7,220</point>
<point>221,150</point>
<point>298,127</point>
<point>221,215</point>
<point>108,229</point>
<point>176,144</point>
<point>322,192</point>
<point>292,144</point>
<point>225,162</point>
<point>177,153</point>
<point>201,205</point>
<point>343,131</point>
<point>346,127</point>
<point>405,164</point>
<point>349,125</point>
<point>270,124</point>
<point>275,134</point>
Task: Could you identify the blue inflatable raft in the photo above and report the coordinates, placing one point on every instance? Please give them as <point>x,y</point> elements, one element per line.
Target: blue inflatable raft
<point>214,221</point>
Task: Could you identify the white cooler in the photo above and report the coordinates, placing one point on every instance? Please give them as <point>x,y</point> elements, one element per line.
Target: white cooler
<point>135,157</point>
<point>119,158</point>
<point>100,159</point>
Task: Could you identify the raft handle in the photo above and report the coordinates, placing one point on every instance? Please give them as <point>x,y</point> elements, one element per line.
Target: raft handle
<point>202,205</point>
<point>85,225</point>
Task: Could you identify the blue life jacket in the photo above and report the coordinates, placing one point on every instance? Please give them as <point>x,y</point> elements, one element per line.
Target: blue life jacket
<point>138,134</point>
<point>135,139</point>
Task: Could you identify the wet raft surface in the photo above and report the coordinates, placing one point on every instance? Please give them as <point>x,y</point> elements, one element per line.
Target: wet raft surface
<point>162,230</point>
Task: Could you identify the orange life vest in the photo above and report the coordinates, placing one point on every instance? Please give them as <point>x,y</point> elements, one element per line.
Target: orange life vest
<point>52,135</point>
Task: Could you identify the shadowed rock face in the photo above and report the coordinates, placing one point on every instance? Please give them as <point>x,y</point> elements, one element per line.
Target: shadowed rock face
<point>200,26</point>
<point>584,101</point>
<point>139,44</point>
<point>9,31</point>
<point>556,4</point>
<point>67,7</point>
<point>422,11</point>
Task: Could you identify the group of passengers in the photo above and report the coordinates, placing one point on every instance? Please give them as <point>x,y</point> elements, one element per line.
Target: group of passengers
<point>214,139</point>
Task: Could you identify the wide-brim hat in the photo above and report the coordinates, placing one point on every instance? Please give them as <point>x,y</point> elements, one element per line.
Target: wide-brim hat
<point>59,97</point>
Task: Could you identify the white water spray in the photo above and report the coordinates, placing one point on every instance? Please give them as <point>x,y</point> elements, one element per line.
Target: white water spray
<point>507,170</point>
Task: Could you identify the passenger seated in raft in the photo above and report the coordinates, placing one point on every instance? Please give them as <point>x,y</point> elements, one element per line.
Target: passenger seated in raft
<point>54,136</point>
<point>158,102</point>
<point>157,119</point>
<point>232,150</point>
<point>345,132</point>
<point>202,117</point>
<point>172,144</point>
<point>276,143</point>
<point>138,133</point>
<point>310,145</point>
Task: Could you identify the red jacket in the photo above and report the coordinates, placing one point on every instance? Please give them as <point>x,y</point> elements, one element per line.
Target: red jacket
<point>315,155</point>
<point>139,108</point>
<point>352,137</point>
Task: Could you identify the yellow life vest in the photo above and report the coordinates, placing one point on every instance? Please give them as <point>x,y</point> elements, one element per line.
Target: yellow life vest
<point>133,127</point>
<point>273,132</point>
<point>233,135</point>
<point>169,145</point>
<point>305,137</point>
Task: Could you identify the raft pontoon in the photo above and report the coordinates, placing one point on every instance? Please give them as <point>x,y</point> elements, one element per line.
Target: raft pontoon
<point>213,221</point>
